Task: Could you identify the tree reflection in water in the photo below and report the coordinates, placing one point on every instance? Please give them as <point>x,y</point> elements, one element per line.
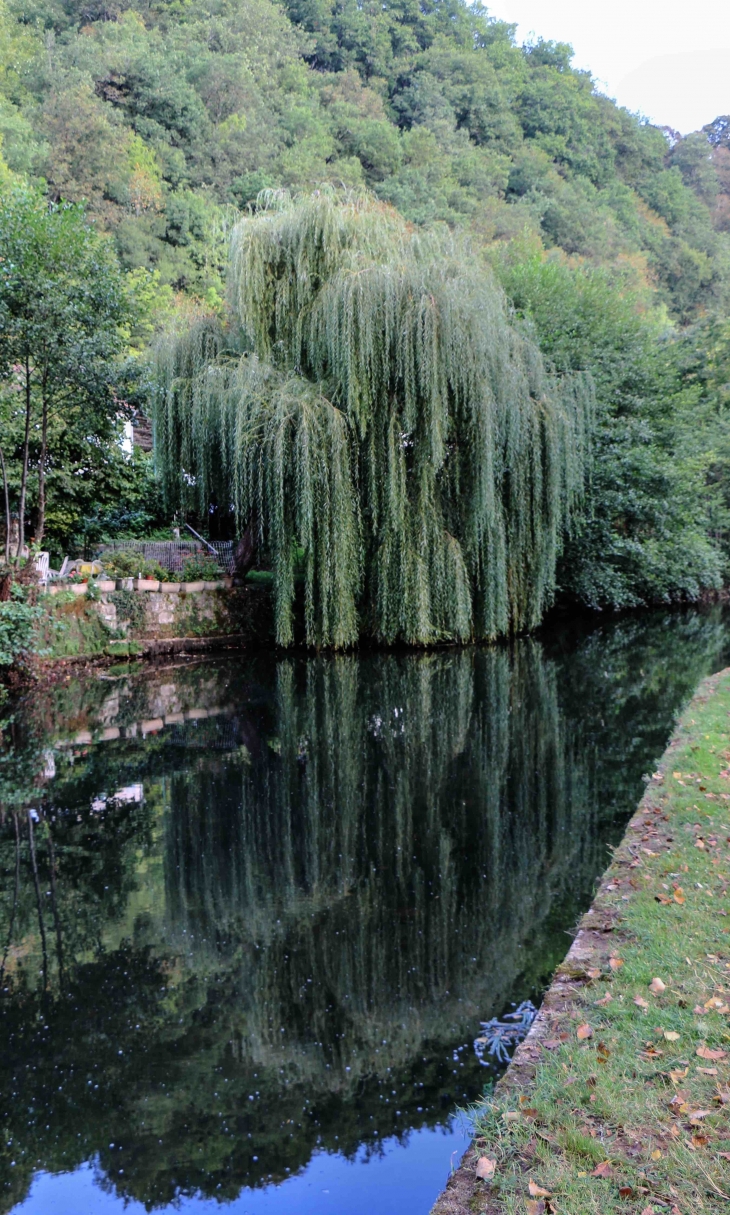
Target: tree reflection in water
<point>340,866</point>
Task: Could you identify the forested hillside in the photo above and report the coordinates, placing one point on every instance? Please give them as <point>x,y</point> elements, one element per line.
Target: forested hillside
<point>610,237</point>
<point>165,117</point>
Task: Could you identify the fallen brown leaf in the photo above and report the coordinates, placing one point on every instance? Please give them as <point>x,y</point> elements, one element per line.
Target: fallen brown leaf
<point>679,895</point>
<point>676,1076</point>
<point>606,1000</point>
<point>715,1005</point>
<point>535,1207</point>
<point>671,1036</point>
<point>699,1115</point>
<point>705,1052</point>
<point>485,1168</point>
<point>615,963</point>
<point>707,1071</point>
<point>657,987</point>
<point>640,1002</point>
<point>585,1031</point>
<point>603,1169</point>
<point>593,973</point>
<point>625,1191</point>
<point>536,1191</point>
<point>700,1140</point>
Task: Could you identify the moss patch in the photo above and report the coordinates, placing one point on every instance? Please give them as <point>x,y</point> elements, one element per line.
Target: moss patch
<point>71,626</point>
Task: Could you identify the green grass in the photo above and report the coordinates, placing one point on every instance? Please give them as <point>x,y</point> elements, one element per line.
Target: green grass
<point>625,1098</point>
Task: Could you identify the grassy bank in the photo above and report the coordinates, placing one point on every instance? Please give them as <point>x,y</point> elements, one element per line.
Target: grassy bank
<point>620,1101</point>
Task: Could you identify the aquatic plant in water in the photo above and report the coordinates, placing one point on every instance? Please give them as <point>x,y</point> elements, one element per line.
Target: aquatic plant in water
<point>499,1036</point>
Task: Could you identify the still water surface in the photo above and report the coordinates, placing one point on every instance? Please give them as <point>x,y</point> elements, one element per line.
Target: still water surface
<point>252,911</point>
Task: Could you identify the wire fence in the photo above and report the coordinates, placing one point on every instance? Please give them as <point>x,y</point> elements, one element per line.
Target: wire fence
<point>172,554</point>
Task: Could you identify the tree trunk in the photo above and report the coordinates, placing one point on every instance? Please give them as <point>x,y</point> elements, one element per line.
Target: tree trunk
<point>42,476</point>
<point>7,507</point>
<point>39,900</point>
<point>245,551</point>
<point>16,892</point>
<point>24,476</point>
<point>54,904</point>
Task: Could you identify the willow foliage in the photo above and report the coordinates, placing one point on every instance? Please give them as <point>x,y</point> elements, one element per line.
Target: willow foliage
<point>371,406</point>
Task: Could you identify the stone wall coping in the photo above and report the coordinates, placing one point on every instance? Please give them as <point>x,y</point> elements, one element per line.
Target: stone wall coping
<point>141,586</point>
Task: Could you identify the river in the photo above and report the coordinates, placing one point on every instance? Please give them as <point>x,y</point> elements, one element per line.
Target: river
<point>253,910</point>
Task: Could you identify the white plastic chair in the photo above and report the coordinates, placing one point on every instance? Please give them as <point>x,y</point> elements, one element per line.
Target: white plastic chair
<point>41,564</point>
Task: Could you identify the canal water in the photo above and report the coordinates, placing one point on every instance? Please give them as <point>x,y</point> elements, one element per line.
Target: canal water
<point>254,909</point>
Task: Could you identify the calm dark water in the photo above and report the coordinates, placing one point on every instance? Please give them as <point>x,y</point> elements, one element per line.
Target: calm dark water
<point>252,911</point>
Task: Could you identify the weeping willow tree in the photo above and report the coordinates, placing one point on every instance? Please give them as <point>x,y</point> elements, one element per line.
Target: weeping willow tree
<point>370,407</point>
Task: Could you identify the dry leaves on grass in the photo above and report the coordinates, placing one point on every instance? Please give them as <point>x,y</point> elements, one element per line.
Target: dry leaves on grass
<point>640,1002</point>
<point>615,963</point>
<point>485,1168</point>
<point>537,1191</point>
<point>657,987</point>
<point>706,1052</point>
<point>671,1036</point>
<point>585,1031</point>
<point>603,1169</point>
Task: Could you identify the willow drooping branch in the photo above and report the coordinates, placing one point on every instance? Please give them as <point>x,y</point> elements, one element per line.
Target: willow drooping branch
<point>370,404</point>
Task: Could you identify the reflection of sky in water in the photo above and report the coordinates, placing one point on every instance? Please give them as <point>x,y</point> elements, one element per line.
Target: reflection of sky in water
<point>406,1175</point>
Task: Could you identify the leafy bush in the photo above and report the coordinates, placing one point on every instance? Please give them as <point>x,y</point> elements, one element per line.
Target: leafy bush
<point>18,618</point>
<point>200,568</point>
<point>130,606</point>
<point>127,563</point>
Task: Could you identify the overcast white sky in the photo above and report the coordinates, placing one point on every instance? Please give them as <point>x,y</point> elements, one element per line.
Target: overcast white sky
<point>669,60</point>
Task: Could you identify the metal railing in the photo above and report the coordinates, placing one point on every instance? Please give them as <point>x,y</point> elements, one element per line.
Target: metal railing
<point>172,554</point>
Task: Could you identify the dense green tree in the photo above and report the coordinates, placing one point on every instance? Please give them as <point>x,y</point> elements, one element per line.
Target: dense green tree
<point>388,421</point>
<point>645,533</point>
<point>64,315</point>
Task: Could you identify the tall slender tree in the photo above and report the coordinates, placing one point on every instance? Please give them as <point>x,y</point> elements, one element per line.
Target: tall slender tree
<point>371,404</point>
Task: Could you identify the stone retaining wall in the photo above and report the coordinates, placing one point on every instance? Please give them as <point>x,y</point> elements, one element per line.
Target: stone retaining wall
<point>150,615</point>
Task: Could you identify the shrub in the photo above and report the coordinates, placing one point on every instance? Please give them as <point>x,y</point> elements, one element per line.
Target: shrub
<point>127,563</point>
<point>18,618</point>
<point>200,568</point>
